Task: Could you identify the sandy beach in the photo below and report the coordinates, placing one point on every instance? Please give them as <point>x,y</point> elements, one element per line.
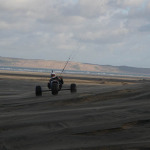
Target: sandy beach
<point>106,113</point>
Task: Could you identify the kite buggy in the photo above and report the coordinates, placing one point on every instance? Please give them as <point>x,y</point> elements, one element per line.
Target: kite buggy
<point>54,85</point>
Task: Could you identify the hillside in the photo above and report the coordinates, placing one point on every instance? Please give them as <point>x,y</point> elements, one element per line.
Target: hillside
<point>76,66</point>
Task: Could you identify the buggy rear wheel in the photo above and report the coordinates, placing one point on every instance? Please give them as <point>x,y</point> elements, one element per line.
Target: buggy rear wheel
<point>38,91</point>
<point>73,88</point>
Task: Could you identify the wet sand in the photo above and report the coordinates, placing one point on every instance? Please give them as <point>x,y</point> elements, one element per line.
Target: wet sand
<point>105,113</point>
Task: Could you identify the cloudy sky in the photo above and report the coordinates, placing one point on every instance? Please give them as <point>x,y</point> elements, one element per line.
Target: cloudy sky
<point>105,32</point>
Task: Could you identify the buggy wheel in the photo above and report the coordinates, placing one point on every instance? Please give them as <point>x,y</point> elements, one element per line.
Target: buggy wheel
<point>48,85</point>
<point>73,88</point>
<point>55,88</point>
<point>38,91</point>
<point>60,86</point>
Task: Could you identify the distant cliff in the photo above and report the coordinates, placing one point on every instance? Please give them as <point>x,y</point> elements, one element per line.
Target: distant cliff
<point>37,63</point>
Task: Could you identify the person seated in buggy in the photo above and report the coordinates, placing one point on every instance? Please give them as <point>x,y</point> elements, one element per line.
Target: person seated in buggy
<point>56,78</point>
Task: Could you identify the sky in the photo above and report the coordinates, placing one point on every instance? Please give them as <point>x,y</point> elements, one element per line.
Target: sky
<point>104,32</point>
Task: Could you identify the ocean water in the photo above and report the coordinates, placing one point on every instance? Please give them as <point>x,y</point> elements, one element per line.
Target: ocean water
<point>70,71</point>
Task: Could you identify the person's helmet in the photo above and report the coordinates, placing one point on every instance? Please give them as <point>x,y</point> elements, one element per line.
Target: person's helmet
<point>53,75</point>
